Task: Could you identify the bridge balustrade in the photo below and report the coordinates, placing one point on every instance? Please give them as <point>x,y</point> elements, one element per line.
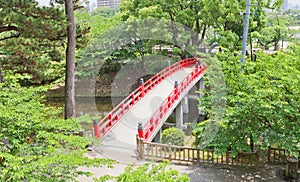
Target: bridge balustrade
<point>159,114</point>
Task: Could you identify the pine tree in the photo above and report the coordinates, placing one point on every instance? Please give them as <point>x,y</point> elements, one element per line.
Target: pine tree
<point>31,38</point>
<point>70,62</point>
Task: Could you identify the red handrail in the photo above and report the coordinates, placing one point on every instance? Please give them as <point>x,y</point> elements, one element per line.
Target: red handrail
<point>152,124</point>
<point>106,123</point>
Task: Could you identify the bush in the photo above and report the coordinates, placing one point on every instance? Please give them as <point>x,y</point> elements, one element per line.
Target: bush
<point>147,172</point>
<point>173,136</point>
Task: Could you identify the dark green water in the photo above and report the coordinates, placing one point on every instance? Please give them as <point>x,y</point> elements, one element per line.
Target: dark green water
<point>91,106</point>
<point>98,106</point>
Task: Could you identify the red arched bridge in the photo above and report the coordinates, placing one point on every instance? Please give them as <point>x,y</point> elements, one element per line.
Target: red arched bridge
<point>149,106</point>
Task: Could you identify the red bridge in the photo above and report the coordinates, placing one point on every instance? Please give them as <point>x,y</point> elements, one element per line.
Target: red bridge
<point>148,107</point>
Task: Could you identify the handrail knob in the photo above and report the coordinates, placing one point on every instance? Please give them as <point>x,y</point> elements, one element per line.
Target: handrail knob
<point>176,84</point>
<point>141,81</point>
<point>140,130</point>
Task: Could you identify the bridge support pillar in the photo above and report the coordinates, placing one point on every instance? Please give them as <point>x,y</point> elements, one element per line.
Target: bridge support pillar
<point>179,116</point>
<point>157,138</point>
<point>185,105</point>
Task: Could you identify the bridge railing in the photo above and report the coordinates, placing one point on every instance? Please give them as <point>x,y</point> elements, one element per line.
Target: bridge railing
<point>111,119</point>
<point>156,118</point>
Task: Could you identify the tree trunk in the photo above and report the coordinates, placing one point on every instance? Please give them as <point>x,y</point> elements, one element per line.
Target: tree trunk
<point>174,30</point>
<point>252,143</point>
<point>70,62</point>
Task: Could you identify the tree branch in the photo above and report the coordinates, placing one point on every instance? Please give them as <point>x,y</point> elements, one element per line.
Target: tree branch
<point>8,28</point>
<point>5,142</point>
<point>12,36</point>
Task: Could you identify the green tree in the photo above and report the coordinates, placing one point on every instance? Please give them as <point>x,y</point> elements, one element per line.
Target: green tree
<point>70,62</point>
<point>219,17</point>
<point>35,144</point>
<point>262,103</point>
<point>33,39</point>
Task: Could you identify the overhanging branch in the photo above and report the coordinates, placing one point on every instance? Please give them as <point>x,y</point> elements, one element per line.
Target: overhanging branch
<point>12,36</point>
<point>8,28</point>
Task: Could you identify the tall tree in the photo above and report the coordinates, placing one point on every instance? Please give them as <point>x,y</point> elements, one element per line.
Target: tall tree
<point>32,39</point>
<point>70,62</point>
<point>262,103</point>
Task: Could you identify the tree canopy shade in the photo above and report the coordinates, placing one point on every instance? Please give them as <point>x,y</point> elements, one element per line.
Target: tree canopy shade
<point>262,103</point>
<point>35,145</point>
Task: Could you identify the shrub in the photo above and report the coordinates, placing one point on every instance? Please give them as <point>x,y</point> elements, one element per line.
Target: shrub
<point>147,172</point>
<point>173,136</point>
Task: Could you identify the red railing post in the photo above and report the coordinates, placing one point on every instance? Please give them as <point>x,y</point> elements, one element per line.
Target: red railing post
<point>132,99</point>
<point>150,84</point>
<point>169,102</point>
<point>142,87</point>
<point>96,129</point>
<point>140,130</point>
<point>123,109</point>
<point>110,119</point>
<point>156,79</point>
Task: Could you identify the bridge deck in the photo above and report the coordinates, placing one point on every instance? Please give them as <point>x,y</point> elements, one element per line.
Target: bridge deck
<point>122,138</point>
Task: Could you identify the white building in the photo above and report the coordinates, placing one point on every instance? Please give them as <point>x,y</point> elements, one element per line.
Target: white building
<point>93,4</point>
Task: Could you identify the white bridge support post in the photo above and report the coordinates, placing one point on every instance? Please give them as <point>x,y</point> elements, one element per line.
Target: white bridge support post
<point>179,116</point>
<point>185,105</point>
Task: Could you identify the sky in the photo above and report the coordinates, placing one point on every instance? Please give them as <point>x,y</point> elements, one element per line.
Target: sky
<point>43,2</point>
<point>296,2</point>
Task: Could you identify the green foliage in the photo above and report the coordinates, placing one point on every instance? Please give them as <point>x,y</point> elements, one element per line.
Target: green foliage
<point>99,21</point>
<point>147,172</point>
<point>294,16</point>
<point>263,102</point>
<point>33,39</point>
<point>35,144</point>
<point>173,136</point>
<point>215,18</point>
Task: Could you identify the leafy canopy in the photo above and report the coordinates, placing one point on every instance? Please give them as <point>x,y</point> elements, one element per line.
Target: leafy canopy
<point>34,143</point>
<point>262,102</point>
